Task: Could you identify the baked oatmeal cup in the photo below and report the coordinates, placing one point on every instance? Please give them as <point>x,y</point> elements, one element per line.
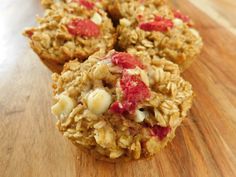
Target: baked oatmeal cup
<point>161,32</point>
<point>120,106</point>
<point>69,31</point>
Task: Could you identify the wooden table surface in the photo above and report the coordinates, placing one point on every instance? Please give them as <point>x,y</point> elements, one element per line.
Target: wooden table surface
<point>205,144</point>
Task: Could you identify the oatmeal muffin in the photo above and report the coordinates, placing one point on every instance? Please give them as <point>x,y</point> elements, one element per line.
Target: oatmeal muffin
<point>69,31</point>
<point>161,32</point>
<point>120,106</point>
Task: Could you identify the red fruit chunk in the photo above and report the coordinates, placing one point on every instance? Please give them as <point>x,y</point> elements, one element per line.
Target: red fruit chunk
<point>134,90</point>
<point>159,131</point>
<point>29,33</point>
<point>85,3</point>
<point>158,18</point>
<point>117,107</point>
<point>160,24</point>
<point>125,60</point>
<point>83,28</point>
<point>139,17</point>
<point>181,16</point>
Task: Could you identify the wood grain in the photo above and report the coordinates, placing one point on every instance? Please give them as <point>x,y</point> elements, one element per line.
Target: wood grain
<point>205,146</point>
<point>222,11</point>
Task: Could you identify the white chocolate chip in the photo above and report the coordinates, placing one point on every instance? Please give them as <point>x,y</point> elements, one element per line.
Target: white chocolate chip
<point>99,5</point>
<point>125,22</point>
<point>141,8</point>
<point>194,32</point>
<point>197,35</point>
<point>64,106</point>
<point>99,101</point>
<point>177,22</point>
<point>140,116</point>
<point>96,18</point>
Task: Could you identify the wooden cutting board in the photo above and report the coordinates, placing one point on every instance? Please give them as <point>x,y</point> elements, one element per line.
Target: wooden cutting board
<point>30,146</point>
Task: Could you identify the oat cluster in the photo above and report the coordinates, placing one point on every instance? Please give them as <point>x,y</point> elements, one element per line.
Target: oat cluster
<point>119,94</point>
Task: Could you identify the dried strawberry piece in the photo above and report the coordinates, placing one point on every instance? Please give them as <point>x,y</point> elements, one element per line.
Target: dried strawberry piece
<point>130,105</point>
<point>83,28</point>
<point>158,18</point>
<point>159,131</point>
<point>125,60</point>
<point>89,5</point>
<point>29,33</point>
<point>181,16</point>
<point>134,91</point>
<point>117,107</point>
<point>159,24</point>
<point>139,17</point>
<point>133,87</point>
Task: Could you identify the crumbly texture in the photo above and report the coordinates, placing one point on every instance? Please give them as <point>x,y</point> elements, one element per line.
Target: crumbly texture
<point>179,42</point>
<point>126,8</point>
<point>112,135</point>
<point>98,3</point>
<point>51,40</point>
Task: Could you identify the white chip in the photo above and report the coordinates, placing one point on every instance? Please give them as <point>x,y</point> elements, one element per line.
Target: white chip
<point>194,32</point>
<point>96,18</point>
<point>141,8</point>
<point>177,22</point>
<point>125,22</point>
<point>140,116</point>
<point>99,101</point>
<point>99,5</point>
